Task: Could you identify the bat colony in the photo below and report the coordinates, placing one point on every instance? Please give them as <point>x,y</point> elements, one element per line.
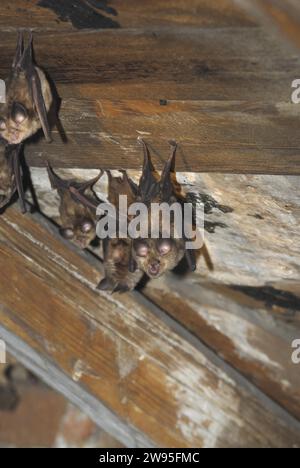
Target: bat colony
<point>126,260</point>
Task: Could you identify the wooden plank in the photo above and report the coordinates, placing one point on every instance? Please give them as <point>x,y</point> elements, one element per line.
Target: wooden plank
<point>285,14</point>
<point>123,353</point>
<point>235,137</point>
<point>253,337</point>
<point>57,15</point>
<point>186,64</point>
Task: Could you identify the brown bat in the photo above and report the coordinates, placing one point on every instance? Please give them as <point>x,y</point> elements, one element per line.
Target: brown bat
<point>28,97</point>
<point>156,256</point>
<point>77,209</point>
<point>117,251</point>
<point>10,175</point>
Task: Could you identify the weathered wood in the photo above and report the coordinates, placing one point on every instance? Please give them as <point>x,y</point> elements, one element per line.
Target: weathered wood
<point>121,353</point>
<point>285,14</point>
<point>213,136</point>
<point>188,63</point>
<point>251,335</point>
<point>56,15</point>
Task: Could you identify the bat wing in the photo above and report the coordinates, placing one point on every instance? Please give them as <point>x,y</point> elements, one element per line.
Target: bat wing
<point>166,184</point>
<point>26,63</point>
<point>56,182</point>
<point>19,50</point>
<point>148,185</point>
<point>16,164</point>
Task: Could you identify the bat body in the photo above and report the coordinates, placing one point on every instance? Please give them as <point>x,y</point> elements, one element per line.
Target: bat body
<point>117,252</point>
<point>10,175</point>
<point>78,219</point>
<point>28,98</point>
<point>157,256</point>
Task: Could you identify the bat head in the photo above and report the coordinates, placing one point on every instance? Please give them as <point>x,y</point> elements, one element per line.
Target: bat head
<point>77,209</point>
<point>82,231</point>
<point>15,123</point>
<point>28,98</point>
<point>157,256</point>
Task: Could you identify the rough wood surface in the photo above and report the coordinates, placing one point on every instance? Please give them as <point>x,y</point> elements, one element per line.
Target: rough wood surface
<point>124,355</point>
<point>221,87</point>
<point>252,329</point>
<point>58,15</point>
<point>234,137</point>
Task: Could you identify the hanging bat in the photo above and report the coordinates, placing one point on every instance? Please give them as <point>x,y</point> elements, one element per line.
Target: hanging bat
<point>156,256</point>
<point>28,97</point>
<point>77,208</point>
<point>117,251</point>
<point>10,175</point>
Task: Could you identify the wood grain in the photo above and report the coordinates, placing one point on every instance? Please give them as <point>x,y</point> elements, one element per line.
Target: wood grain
<point>129,14</point>
<point>124,355</point>
<point>235,137</point>
<point>253,337</point>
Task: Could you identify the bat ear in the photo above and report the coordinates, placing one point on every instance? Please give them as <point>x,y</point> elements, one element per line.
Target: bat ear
<point>166,185</point>
<point>132,186</point>
<point>191,259</point>
<point>56,182</point>
<point>18,113</point>
<point>82,186</point>
<point>27,63</point>
<point>148,186</point>
<point>19,50</point>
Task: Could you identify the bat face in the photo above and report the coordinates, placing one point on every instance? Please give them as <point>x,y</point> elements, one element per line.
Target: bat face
<point>78,223</point>
<point>157,256</point>
<point>77,209</point>
<point>28,98</point>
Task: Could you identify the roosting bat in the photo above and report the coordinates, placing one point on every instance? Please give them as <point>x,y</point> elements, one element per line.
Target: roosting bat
<point>117,251</point>
<point>77,209</point>
<point>156,256</point>
<point>10,175</point>
<point>28,97</point>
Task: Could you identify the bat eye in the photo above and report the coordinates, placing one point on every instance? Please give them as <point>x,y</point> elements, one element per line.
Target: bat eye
<point>67,233</point>
<point>18,113</point>
<point>141,248</point>
<point>86,227</point>
<point>2,125</point>
<point>164,246</point>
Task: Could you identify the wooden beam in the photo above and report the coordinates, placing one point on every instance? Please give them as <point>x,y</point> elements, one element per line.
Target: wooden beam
<point>144,367</point>
<point>54,15</point>
<point>223,93</point>
<point>230,137</point>
<point>252,328</point>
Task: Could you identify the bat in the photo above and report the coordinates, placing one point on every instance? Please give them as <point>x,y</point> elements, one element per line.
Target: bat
<point>77,208</point>
<point>117,251</point>
<point>28,97</point>
<point>157,256</point>
<point>10,175</point>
